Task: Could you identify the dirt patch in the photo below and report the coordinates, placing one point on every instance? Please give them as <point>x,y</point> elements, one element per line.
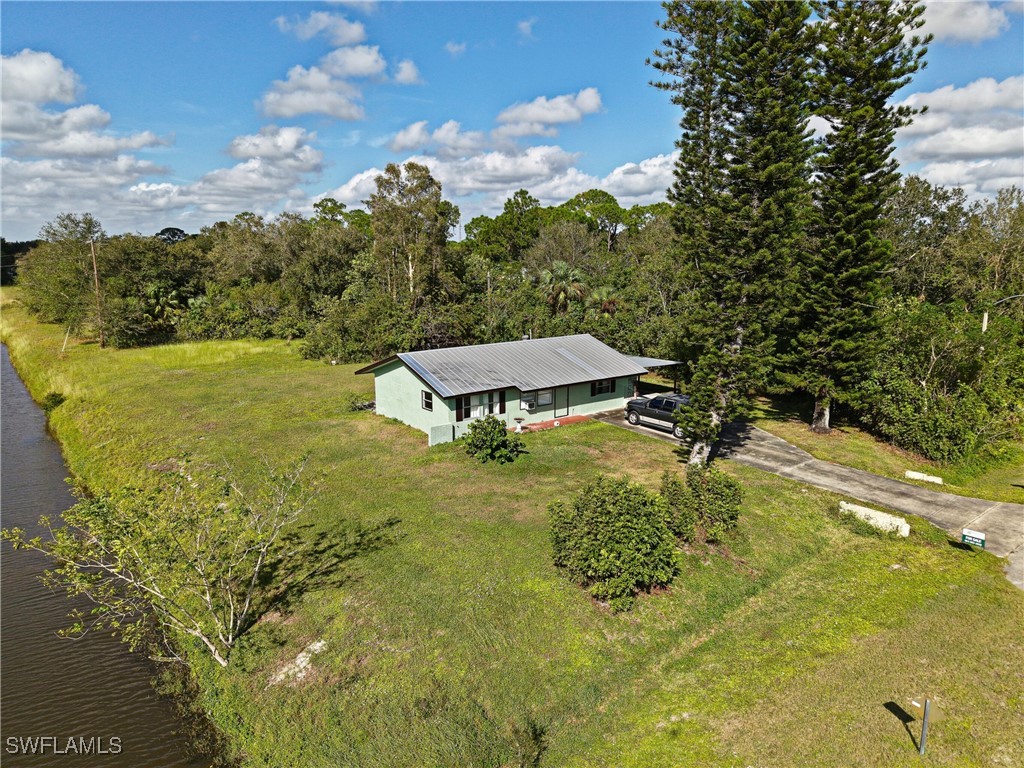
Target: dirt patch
<point>167,465</point>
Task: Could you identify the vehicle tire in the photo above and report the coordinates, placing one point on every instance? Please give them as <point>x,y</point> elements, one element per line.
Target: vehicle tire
<point>633,418</point>
<point>678,433</point>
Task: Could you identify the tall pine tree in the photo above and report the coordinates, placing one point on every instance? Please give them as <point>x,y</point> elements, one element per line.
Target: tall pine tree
<point>867,52</point>
<point>692,58</point>
<point>742,198</point>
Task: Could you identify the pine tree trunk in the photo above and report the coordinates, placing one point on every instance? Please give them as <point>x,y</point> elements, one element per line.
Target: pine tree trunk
<point>699,453</point>
<point>822,408</point>
<point>701,450</point>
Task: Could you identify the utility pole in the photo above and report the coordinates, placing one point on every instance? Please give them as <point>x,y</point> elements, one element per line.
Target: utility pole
<point>96,282</point>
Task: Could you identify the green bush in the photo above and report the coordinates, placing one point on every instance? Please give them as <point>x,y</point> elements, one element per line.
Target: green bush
<point>716,499</point>
<point>51,401</point>
<point>613,538</point>
<point>489,440</point>
<point>682,519</point>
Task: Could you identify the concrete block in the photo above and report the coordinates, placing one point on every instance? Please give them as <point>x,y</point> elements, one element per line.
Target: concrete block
<point>881,520</point>
<point>910,475</point>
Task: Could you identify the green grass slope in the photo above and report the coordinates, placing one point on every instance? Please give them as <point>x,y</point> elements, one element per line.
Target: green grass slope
<point>451,639</point>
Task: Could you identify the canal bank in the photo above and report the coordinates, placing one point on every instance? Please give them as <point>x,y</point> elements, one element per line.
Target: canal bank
<point>87,701</point>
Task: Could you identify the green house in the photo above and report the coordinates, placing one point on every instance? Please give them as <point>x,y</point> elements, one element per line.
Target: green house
<point>440,391</point>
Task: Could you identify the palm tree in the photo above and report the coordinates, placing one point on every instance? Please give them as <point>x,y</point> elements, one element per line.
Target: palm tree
<point>562,285</point>
<point>603,303</point>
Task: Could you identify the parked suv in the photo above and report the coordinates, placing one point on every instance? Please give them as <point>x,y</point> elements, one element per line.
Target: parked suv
<point>656,411</point>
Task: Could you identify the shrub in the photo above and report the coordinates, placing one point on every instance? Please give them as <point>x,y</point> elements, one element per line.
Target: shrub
<point>51,401</point>
<point>682,517</point>
<point>715,497</point>
<point>489,440</point>
<point>613,538</point>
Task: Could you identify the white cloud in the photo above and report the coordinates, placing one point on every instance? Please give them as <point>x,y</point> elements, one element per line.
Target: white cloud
<point>34,191</point>
<point>38,77</point>
<point>981,178</point>
<point>983,94</point>
<point>455,142</point>
<point>973,142</point>
<point>24,121</point>
<point>326,88</point>
<point>972,136</point>
<point>33,79</point>
<point>274,163</point>
<point>569,108</point>
<point>455,49</point>
<point>357,189</point>
<point>968,21</point>
<point>273,143</point>
<point>412,137</point>
<point>89,144</point>
<point>357,61</point>
<point>643,182</point>
<point>511,131</point>
<point>525,28</point>
<point>407,73</point>
<point>312,91</point>
<point>337,29</point>
<point>449,140</point>
<point>494,171</point>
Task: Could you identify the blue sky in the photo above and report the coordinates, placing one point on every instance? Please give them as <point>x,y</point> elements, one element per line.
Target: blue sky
<point>180,114</point>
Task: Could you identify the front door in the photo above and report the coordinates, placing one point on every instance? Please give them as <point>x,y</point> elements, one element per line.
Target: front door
<point>561,402</point>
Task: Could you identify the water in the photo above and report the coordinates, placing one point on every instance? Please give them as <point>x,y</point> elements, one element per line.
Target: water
<point>90,690</point>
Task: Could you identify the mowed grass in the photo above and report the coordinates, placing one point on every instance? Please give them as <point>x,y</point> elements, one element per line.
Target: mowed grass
<point>451,639</point>
<point>788,417</point>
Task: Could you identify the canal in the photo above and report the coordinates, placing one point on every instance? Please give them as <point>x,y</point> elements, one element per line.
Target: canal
<point>91,691</point>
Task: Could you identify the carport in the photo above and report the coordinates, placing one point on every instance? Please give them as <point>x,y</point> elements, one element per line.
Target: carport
<point>653,362</point>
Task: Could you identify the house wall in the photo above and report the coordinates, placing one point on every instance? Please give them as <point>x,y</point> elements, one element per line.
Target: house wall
<point>398,396</point>
<point>397,392</point>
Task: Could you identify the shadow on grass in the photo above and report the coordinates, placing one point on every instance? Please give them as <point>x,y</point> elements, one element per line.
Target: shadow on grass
<point>969,548</point>
<point>800,408</point>
<point>904,717</point>
<point>313,562</point>
<point>652,387</point>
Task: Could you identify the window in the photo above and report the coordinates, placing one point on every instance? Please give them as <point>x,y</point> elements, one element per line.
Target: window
<point>602,387</point>
<point>475,406</point>
<point>427,400</point>
<point>531,400</point>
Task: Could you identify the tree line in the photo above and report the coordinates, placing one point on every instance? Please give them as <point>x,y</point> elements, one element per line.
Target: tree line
<point>783,261</point>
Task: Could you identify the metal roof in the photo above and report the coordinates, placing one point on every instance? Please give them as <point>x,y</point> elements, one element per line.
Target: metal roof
<point>652,362</point>
<point>527,365</point>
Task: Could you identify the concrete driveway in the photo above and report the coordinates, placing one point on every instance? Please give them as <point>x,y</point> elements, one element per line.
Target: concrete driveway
<point>1002,522</point>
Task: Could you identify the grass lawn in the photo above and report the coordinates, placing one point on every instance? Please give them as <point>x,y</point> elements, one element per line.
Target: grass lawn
<point>452,640</point>
<point>789,417</point>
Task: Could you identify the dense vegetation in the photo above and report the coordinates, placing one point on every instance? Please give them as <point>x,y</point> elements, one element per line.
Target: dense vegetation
<point>937,382</point>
